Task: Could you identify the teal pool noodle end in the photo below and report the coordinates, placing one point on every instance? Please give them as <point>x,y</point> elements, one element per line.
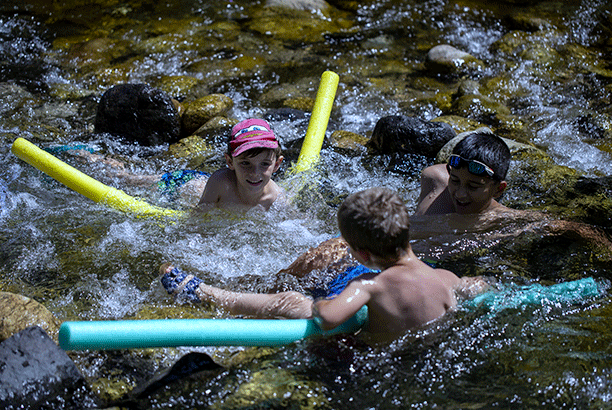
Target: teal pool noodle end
<point>135,334</point>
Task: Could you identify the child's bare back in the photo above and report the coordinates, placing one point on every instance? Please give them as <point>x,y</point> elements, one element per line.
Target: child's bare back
<point>405,296</point>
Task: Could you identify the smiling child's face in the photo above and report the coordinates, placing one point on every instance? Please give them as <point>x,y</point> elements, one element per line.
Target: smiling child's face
<point>254,172</point>
<point>472,193</point>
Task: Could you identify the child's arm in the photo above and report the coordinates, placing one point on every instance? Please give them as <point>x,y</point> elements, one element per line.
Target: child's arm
<point>434,180</point>
<point>213,191</point>
<point>331,313</point>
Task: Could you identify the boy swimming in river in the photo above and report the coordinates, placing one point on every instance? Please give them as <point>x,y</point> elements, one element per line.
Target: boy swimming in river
<point>253,156</point>
<point>470,182</point>
<point>405,293</point>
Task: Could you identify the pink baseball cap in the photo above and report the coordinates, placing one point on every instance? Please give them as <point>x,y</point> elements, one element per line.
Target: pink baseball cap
<point>252,133</point>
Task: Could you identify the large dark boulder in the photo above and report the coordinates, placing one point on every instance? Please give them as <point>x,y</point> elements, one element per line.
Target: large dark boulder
<point>36,374</point>
<point>402,134</point>
<point>138,113</point>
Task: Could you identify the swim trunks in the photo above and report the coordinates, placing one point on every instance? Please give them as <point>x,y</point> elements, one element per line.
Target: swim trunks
<point>336,285</point>
<point>170,182</point>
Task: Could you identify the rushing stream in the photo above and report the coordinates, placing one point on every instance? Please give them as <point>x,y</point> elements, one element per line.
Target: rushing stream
<point>547,73</point>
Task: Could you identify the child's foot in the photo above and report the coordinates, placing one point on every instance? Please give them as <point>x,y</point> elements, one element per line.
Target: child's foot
<point>179,284</point>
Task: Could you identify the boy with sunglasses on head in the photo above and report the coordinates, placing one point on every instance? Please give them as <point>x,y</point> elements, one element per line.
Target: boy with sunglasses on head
<point>471,180</point>
<point>468,184</point>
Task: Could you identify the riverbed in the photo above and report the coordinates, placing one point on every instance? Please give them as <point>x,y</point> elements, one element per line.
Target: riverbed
<point>545,80</point>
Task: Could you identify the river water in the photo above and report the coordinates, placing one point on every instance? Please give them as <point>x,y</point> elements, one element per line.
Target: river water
<point>547,62</point>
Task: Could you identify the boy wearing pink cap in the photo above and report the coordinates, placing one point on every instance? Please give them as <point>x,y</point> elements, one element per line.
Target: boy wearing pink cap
<point>252,157</point>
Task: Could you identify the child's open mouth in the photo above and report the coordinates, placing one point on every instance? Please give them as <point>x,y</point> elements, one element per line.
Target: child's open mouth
<point>254,183</point>
<point>461,205</point>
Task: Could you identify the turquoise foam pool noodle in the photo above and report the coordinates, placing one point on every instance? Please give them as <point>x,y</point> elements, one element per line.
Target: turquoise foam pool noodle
<point>135,334</point>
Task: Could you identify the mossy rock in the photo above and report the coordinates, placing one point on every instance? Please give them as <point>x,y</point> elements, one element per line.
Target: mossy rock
<point>198,112</point>
<point>459,124</point>
<point>275,388</point>
<point>348,141</point>
<point>176,85</point>
<point>479,108</point>
<point>446,59</point>
<point>290,24</point>
<point>19,312</point>
<point>300,103</point>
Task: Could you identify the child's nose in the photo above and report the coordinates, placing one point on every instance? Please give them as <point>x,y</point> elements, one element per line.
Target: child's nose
<point>461,192</point>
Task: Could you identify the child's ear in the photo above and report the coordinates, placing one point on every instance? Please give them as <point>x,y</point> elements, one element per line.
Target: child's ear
<point>278,163</point>
<point>501,188</point>
<point>229,162</point>
<point>364,255</point>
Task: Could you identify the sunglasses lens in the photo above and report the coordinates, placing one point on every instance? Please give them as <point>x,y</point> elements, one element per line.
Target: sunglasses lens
<point>454,161</point>
<point>476,168</point>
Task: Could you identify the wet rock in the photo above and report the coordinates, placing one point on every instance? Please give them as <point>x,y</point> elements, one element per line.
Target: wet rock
<point>13,97</point>
<point>300,103</point>
<point>468,87</point>
<point>299,22</point>
<point>271,388</point>
<point>480,108</point>
<point>19,312</point>
<point>22,58</point>
<point>200,111</point>
<point>528,22</point>
<point>514,146</point>
<point>138,113</point>
<point>216,131</point>
<point>188,365</point>
<point>445,59</point>
<point>348,141</point>
<point>299,4</point>
<point>588,199</point>
<point>37,374</point>
<point>533,47</point>
<point>286,114</point>
<point>402,134</point>
<point>177,86</point>
<point>195,149</point>
<point>188,147</point>
<point>459,124</point>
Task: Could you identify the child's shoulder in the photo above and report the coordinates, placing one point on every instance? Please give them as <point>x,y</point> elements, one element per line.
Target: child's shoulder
<point>222,176</point>
<point>435,173</point>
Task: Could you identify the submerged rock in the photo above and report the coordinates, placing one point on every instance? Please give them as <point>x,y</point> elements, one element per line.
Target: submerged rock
<point>188,365</point>
<point>514,146</point>
<point>298,4</point>
<point>200,111</point>
<point>347,141</point>
<point>298,20</point>
<point>445,59</point>
<point>19,312</point>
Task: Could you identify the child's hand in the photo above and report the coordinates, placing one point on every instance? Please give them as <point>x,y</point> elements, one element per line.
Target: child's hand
<point>472,286</point>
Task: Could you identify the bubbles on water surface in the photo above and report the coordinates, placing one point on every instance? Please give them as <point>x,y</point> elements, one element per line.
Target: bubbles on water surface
<point>118,297</point>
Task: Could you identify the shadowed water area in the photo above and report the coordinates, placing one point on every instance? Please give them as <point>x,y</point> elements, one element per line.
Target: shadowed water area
<point>539,74</point>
